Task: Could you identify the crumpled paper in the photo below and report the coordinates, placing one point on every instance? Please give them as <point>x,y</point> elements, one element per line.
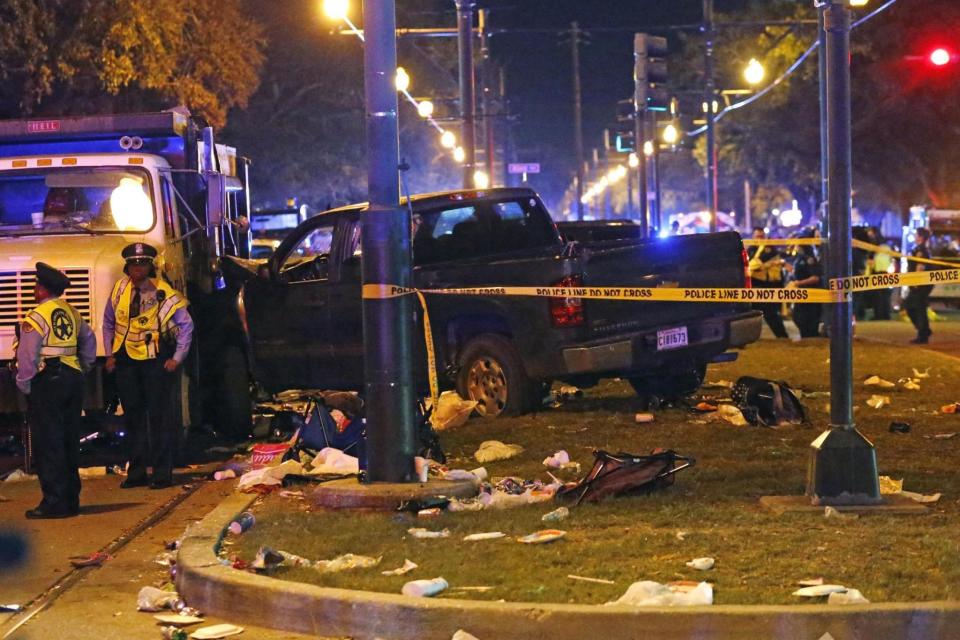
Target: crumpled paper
<point>334,461</point>
<point>647,593</point>
<point>491,450</point>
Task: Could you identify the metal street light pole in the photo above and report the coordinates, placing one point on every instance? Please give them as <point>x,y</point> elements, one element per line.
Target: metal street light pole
<point>709,99</point>
<point>385,241</point>
<point>468,107</point>
<point>577,114</point>
<point>843,465</point>
<point>486,94</point>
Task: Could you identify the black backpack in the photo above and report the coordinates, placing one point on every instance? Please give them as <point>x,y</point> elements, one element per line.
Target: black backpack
<point>768,403</point>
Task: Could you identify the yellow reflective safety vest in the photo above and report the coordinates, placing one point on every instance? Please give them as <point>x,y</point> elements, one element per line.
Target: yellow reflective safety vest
<point>58,323</point>
<point>761,270</point>
<point>142,334</point>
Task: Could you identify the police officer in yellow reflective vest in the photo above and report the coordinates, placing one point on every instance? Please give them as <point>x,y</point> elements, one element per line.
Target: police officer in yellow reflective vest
<point>147,332</point>
<point>54,348</point>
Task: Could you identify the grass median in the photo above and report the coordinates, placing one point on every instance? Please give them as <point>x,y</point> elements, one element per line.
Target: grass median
<point>712,510</point>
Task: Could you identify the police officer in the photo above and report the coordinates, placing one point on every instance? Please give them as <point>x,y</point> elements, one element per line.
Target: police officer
<point>147,332</point>
<point>918,298</point>
<point>55,346</point>
<point>807,273</point>
<point>766,271</point>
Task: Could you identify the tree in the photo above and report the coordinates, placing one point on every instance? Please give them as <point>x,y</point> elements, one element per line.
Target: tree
<point>64,57</point>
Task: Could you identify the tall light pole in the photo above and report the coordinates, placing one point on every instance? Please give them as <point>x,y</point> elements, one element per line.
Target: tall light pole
<point>468,107</point>
<point>843,465</point>
<point>385,240</point>
<point>709,97</point>
<point>577,114</point>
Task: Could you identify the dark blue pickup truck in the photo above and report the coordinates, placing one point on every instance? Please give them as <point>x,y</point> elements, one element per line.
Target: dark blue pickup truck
<point>303,308</point>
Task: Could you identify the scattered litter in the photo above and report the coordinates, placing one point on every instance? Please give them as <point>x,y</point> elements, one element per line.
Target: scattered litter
<point>543,537</point>
<point>557,460</point>
<point>947,408</point>
<point>168,632</point>
<point>346,562</point>
<point>719,384</point>
<point>826,636</point>
<point>421,467</point>
<point>705,407</point>
<point>701,564</point>
<point>296,495</point>
<point>432,512</point>
<point>458,505</point>
<point>813,394</point>
<point>477,589</point>
<point>643,418</point>
<point>92,472</point>
<point>899,427</point>
<point>268,476</point>
<point>877,381</point>
<point>682,535</point>
<point>95,559</point>
<point>911,385</point>
<point>941,436</point>
<point>10,608</point>
<point>810,582</point>
<point>407,567</point>
<point>177,619</point>
<point>463,635</point>
<point>266,559</point>
<point>925,374</point>
<point>850,596</point>
<point>586,579</point>
<point>153,599</point>
<point>19,475</point>
<point>265,454</point>
<point>335,462</point>
<point>819,590</point>
<point>732,414</point>
<point>557,515</point>
<point>831,512</point>
<point>424,588</point>
<point>421,533</point>
<point>491,450</point>
<point>226,474</point>
<point>920,497</point>
<point>878,402</point>
<point>476,475</point>
<point>653,594</point>
<point>452,411</point>
<point>216,631</point>
<point>241,523</point>
<point>491,535</point>
<point>569,391</point>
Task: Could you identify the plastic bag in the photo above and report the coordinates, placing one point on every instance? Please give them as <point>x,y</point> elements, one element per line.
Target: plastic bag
<point>452,411</point>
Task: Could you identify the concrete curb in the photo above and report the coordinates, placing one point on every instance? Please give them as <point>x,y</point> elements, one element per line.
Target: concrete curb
<point>243,597</point>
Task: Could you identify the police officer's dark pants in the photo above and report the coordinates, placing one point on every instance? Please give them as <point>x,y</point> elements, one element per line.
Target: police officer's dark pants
<point>54,410</point>
<point>771,311</point>
<point>145,393</point>
<point>807,319</point>
<point>918,299</point>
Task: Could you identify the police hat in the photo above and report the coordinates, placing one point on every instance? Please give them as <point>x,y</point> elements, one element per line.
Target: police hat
<point>53,280</point>
<point>139,252</point>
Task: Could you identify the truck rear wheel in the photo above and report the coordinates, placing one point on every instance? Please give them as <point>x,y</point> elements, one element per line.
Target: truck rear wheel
<point>492,373</point>
<point>670,386</point>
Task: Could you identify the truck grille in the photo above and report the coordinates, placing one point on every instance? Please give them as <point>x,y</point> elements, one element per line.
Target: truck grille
<point>16,294</point>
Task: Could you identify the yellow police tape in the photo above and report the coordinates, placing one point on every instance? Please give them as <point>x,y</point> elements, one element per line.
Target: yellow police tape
<point>857,244</point>
<point>790,242</point>
<point>891,280</point>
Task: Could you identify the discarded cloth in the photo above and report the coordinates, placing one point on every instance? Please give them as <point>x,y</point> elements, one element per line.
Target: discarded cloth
<point>269,476</point>
<point>491,450</point>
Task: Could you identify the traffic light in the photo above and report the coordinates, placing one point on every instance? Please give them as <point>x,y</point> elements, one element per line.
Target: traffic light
<point>623,135</point>
<point>650,72</point>
<point>940,57</point>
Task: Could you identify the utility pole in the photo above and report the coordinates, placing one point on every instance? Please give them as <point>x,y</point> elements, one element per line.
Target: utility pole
<point>485,94</point>
<point>640,89</point>
<point>657,215</point>
<point>468,107</point>
<point>843,465</point>
<point>577,114</point>
<point>709,99</point>
<point>822,63</point>
<point>385,241</point>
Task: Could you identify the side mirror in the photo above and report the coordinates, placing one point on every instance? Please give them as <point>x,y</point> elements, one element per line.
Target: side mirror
<point>216,197</point>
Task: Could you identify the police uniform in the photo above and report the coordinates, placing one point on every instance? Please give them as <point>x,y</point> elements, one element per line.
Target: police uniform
<point>53,350</point>
<point>807,316</point>
<point>766,272</point>
<point>144,326</point>
<point>918,298</point>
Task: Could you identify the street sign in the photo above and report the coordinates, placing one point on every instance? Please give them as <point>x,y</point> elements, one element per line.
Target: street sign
<point>523,167</point>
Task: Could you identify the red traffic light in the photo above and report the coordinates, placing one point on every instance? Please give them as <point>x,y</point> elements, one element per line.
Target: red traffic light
<point>940,57</point>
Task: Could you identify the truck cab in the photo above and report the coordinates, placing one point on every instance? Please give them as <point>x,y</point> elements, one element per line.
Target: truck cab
<point>74,191</point>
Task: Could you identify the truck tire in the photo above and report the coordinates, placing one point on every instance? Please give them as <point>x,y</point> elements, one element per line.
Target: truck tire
<point>669,386</point>
<point>492,373</point>
<point>234,405</point>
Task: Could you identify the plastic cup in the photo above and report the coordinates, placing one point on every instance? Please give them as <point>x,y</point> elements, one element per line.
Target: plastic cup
<point>37,219</point>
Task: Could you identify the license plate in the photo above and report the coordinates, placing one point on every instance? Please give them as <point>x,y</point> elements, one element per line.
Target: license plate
<point>672,338</point>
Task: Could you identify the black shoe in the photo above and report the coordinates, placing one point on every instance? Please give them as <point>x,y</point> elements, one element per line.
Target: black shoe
<point>919,340</point>
<point>44,512</point>
<point>161,483</point>
<point>130,483</point>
